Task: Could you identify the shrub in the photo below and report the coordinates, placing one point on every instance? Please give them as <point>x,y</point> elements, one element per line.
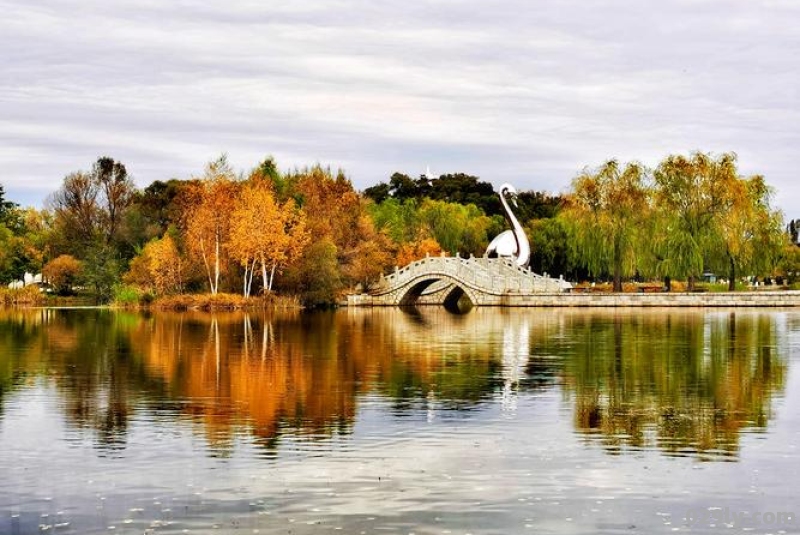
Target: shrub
<point>126,296</point>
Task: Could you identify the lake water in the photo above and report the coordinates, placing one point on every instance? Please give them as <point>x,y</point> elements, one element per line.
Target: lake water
<point>390,421</point>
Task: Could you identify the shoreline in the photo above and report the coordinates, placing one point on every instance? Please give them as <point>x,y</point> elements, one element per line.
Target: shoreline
<point>757,299</point>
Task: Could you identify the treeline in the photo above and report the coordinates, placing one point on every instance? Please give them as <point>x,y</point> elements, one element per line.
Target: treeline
<point>689,214</point>
<point>308,233</point>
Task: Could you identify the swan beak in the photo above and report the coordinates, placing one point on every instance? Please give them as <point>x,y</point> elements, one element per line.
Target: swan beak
<point>514,200</point>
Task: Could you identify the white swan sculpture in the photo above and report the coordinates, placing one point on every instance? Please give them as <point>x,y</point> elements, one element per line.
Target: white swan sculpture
<point>511,243</point>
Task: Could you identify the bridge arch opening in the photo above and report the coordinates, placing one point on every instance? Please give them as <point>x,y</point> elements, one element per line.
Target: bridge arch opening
<point>456,299</point>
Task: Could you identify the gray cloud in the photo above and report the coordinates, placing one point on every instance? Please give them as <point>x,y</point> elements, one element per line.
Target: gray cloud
<point>527,92</point>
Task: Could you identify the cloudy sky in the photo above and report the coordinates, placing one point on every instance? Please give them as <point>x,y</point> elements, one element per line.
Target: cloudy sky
<point>523,91</point>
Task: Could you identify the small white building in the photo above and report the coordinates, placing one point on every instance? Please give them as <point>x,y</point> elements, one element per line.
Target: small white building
<point>27,280</point>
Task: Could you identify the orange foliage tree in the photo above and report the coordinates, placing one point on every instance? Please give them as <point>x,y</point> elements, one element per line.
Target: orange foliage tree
<point>417,249</point>
<point>265,232</point>
<point>366,258</point>
<point>337,215</point>
<point>207,211</point>
<point>62,273</point>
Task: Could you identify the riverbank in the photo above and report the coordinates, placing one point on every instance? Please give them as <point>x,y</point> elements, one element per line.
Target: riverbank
<point>771,299</point>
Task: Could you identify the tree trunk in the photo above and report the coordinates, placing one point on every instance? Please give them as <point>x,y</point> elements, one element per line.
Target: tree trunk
<point>216,264</point>
<point>690,283</point>
<point>264,274</point>
<point>208,268</point>
<point>732,275</point>
<point>250,280</point>
<point>617,279</point>
<point>617,286</point>
<point>272,277</point>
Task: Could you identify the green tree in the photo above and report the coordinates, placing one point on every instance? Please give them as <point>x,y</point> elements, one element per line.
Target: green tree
<point>604,216</point>
<point>102,269</point>
<point>549,246</point>
<point>457,228</point>
<point>316,277</point>
<point>751,232</point>
<point>399,219</point>
<point>7,209</point>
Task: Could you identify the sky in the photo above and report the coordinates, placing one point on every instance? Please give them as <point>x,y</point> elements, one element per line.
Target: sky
<point>526,92</point>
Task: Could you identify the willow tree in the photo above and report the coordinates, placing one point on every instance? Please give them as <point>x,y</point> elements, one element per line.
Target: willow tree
<point>604,216</point>
<point>691,193</point>
<point>457,228</point>
<point>750,232</point>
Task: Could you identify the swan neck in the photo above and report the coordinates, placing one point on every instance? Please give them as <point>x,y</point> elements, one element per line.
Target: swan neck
<point>511,217</point>
<point>523,247</point>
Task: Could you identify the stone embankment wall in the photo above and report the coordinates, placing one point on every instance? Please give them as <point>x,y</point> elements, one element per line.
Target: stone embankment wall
<point>672,299</point>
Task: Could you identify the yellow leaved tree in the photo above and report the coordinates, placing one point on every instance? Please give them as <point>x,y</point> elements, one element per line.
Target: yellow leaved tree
<point>265,233</point>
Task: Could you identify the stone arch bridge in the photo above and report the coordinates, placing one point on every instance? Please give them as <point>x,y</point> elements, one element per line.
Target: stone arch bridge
<point>447,280</point>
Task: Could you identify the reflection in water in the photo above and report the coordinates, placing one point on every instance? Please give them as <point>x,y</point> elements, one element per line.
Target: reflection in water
<point>686,383</point>
<point>515,355</point>
<point>681,382</point>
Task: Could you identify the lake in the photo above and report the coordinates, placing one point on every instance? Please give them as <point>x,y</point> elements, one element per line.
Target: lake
<point>400,421</point>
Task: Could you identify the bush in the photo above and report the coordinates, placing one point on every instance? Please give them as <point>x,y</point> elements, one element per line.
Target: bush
<point>126,296</point>
<point>62,273</point>
<point>130,296</point>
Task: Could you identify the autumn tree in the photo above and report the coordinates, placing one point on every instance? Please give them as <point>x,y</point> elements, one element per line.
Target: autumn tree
<point>334,213</point>
<point>603,218</point>
<point>159,267</point>
<point>370,256</point>
<point>62,273</point>
<point>789,263</point>
<point>207,208</point>
<point>265,232</point>
<point>417,250</point>
<point>691,195</point>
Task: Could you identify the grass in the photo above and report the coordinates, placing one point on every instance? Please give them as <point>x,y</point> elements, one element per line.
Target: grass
<point>224,301</point>
<point>29,296</point>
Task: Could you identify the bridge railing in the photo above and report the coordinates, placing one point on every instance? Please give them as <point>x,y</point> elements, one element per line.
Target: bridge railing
<point>484,274</point>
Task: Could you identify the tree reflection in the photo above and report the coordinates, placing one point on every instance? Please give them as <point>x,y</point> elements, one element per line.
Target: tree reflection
<point>684,382</point>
